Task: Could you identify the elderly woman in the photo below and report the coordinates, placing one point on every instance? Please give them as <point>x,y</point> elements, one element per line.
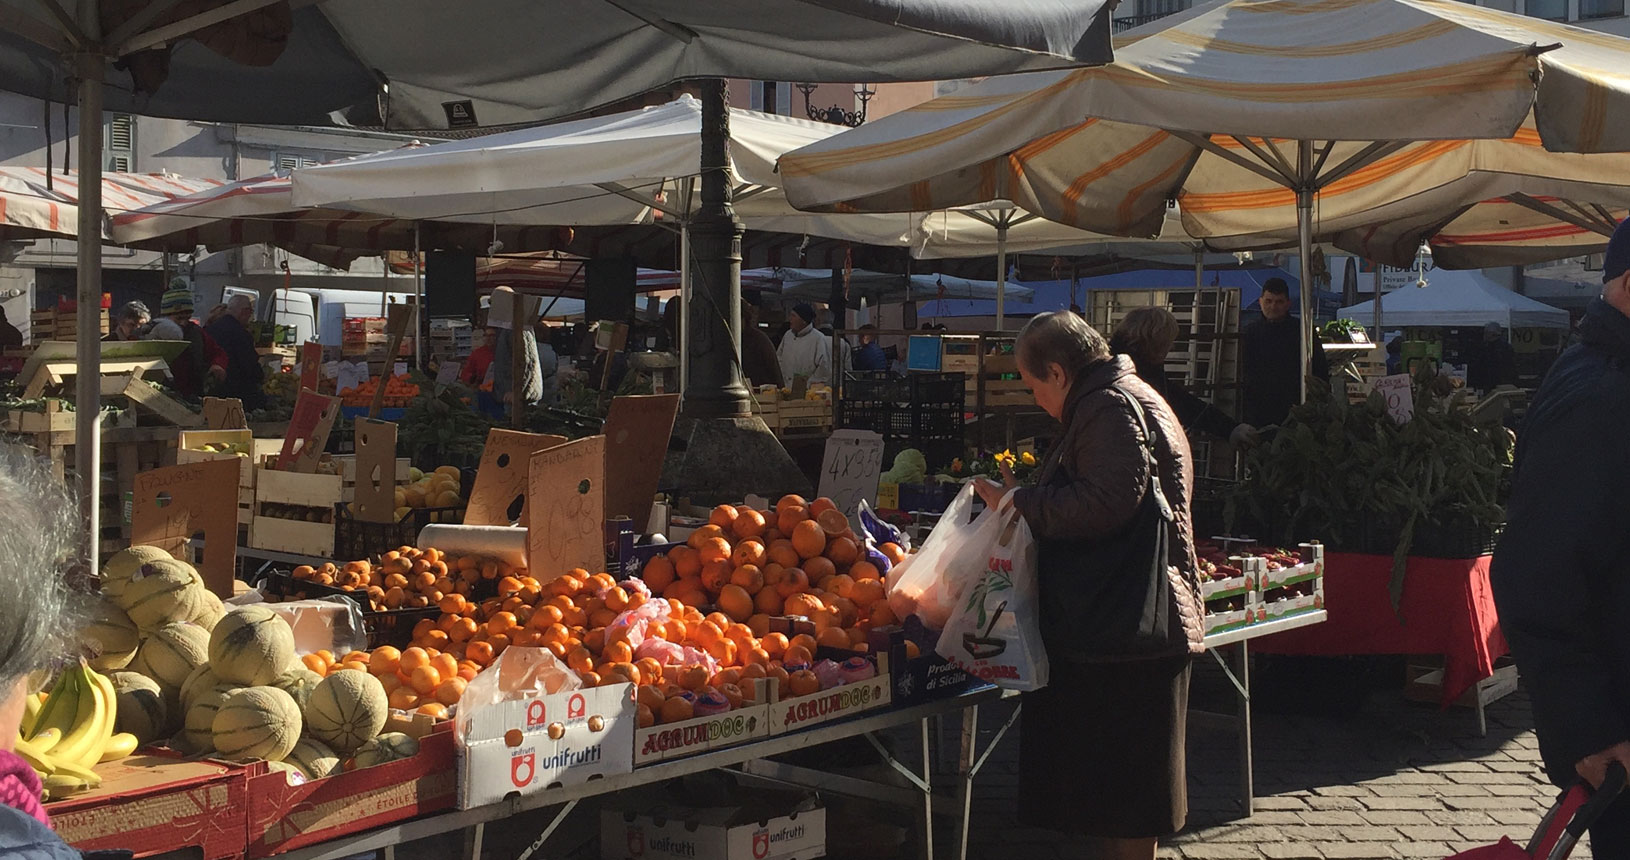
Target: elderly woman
<point>1102,752</point>
<point>41,526</point>
<point>128,322</point>
<point>1146,335</point>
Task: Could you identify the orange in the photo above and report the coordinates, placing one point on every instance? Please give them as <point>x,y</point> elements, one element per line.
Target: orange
<point>616,598</point>
<point>768,601</point>
<point>774,643</point>
<point>806,640</point>
<point>626,671</point>
<point>842,551</point>
<point>434,710</point>
<point>686,591</point>
<point>719,620</point>
<point>782,552</point>
<point>788,519</point>
<point>842,585</point>
<point>793,583</point>
<point>412,659</point>
<point>750,551</point>
<point>657,573</point>
<point>601,581</point>
<point>579,659</point>
<point>446,665</point>
<point>501,622</point>
<point>617,652</point>
<point>820,506</point>
<point>546,615</point>
<point>644,716</point>
<point>677,709</point>
<point>802,604</point>
<point>892,552</point>
<point>754,670</point>
<point>315,663</point>
<point>736,602</point>
<point>649,696</point>
<point>748,577</point>
<point>498,641</point>
<point>589,679</point>
<point>857,636</point>
<point>508,585</point>
<point>693,677</point>
<point>791,500</point>
<point>863,569</point>
<point>480,653</point>
<point>703,535</point>
<point>912,651</point>
<point>803,682</point>
<point>847,612</point>
<point>834,637</point>
<point>882,615</point>
<point>650,669</point>
<point>759,623</point>
<point>716,574</point>
<point>833,522</point>
<point>425,680</point>
<point>390,681</point>
<point>437,639</point>
<point>714,549</point>
<point>749,523</point>
<point>808,539</point>
<point>403,699</point>
<point>818,568</point>
<point>867,592</point>
<point>449,691</point>
<point>453,604</point>
<point>723,516</point>
<point>685,560</point>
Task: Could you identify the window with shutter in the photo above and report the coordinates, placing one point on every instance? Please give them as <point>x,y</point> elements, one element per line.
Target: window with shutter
<point>119,143</point>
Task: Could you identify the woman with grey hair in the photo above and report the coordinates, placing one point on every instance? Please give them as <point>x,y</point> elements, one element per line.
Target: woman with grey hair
<point>1121,615</point>
<point>37,631</point>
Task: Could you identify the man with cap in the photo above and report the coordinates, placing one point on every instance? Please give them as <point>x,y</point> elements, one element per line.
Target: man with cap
<point>804,350</point>
<point>1561,581</point>
<point>244,372</point>
<point>1493,362</point>
<point>202,358</point>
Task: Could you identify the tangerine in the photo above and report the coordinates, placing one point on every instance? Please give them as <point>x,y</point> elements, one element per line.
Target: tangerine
<point>479,653</point>
<point>808,539</point>
<point>693,677</point>
<point>703,535</point>
<point>657,573</point>
<point>749,523</point>
<point>685,561</point>
<point>768,601</point>
<point>881,615</point>
<point>749,578</point>
<point>806,640</point>
<point>834,637</point>
<point>791,500</point>
<point>736,602</point>
<point>863,570</point>
<point>819,568</point>
<point>774,643</point>
<point>446,665</point>
<point>677,709</point>
<point>650,670</point>
<point>412,659</point>
<point>649,696</point>
<point>714,549</point>
<point>448,692</point>
<point>579,659</point>
<point>403,699</point>
<point>794,582</point>
<point>867,592</point>
<point>759,624</point>
<point>716,575</point>
<point>782,552</point>
<point>842,551</point>
<point>617,652</point>
<point>723,516</point>
<point>644,717</point>
<point>892,552</point>
<point>425,680</point>
<point>788,519</point>
<point>384,659</point>
<point>803,682</point>
<point>749,551</point>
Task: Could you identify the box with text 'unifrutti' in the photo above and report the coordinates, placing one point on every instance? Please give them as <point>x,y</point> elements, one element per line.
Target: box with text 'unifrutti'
<point>527,745</point>
<point>753,824</point>
<point>1291,590</point>
<point>1231,602</point>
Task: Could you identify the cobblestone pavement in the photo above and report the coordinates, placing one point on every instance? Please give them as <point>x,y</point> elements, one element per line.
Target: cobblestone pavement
<point>1392,780</point>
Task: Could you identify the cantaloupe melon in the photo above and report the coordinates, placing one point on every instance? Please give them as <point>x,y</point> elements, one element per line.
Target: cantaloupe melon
<point>141,709</point>
<point>210,611</point>
<point>171,653</point>
<point>313,758</point>
<point>251,646</point>
<point>199,728</point>
<point>120,566</point>
<point>111,636</point>
<point>256,722</point>
<point>388,747</point>
<point>162,592</point>
<point>298,683</point>
<point>202,678</point>
<point>347,710</point>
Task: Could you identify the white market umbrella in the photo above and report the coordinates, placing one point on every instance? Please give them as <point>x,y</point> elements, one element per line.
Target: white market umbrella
<point>36,204</point>
<point>1463,299</point>
<point>1271,107</point>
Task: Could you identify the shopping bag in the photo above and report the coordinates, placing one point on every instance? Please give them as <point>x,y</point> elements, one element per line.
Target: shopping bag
<point>995,632</point>
<point>930,582</point>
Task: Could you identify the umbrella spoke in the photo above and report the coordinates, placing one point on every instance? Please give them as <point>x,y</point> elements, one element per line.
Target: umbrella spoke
<point>1559,214</point>
<point>35,30</point>
<point>1368,155</point>
<point>139,21</point>
<point>683,34</point>
<point>1260,168</point>
<point>187,26</point>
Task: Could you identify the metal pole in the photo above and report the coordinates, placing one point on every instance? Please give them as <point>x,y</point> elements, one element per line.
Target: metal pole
<point>88,347</point>
<point>419,318</point>
<point>684,306</point>
<point>714,387</point>
<point>517,363</point>
<point>1304,231</point>
<point>1199,269</point>
<point>1001,269</point>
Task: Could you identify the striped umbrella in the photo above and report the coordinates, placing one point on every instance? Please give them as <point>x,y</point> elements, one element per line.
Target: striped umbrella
<point>36,205</point>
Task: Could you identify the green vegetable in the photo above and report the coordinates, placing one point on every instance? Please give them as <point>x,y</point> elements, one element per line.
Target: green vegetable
<point>910,467</point>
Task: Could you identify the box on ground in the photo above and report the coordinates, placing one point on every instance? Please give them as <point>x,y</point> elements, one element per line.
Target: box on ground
<point>152,805</point>
<point>525,746</point>
<point>759,823</point>
<point>284,816</point>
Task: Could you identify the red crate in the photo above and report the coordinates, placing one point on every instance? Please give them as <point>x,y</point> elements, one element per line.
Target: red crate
<point>151,805</point>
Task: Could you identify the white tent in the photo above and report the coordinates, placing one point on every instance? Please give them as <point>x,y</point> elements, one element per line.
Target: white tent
<point>1458,298</point>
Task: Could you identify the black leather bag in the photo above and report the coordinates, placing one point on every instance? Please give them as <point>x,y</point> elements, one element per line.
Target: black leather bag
<point>1114,598</point>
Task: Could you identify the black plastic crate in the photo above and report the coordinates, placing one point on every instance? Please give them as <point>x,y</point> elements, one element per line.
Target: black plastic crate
<point>1456,539</point>
<point>355,540</point>
<point>922,410</point>
<point>383,627</point>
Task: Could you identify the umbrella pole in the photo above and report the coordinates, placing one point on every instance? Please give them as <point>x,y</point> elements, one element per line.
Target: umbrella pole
<point>418,301</point>
<point>1304,235</point>
<point>714,386</point>
<point>88,346</point>
<point>1001,271</point>
<point>684,306</point>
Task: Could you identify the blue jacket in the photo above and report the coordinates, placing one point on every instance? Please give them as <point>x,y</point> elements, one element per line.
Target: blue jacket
<point>1561,582</point>
<point>22,837</point>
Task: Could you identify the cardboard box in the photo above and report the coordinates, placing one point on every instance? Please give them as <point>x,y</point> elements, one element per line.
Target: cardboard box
<point>284,816</point>
<point>925,677</point>
<point>153,805</point>
<point>509,749</point>
<point>767,824</point>
<point>675,740</point>
<point>797,713</point>
<point>1222,621</point>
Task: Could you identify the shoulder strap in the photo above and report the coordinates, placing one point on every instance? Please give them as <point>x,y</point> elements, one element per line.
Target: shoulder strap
<point>1148,452</point>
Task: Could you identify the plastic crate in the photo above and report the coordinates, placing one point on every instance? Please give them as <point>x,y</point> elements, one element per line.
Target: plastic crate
<point>923,410</point>
<point>1455,539</point>
<point>355,540</point>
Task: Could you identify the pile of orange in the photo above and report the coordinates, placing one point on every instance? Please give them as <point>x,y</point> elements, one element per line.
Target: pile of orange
<point>410,578</point>
<point>398,392</point>
<point>417,679</point>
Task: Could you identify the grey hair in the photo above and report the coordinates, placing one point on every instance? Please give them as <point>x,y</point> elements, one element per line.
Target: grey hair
<point>238,302</point>
<point>1062,338</point>
<point>38,610</point>
<point>134,311</point>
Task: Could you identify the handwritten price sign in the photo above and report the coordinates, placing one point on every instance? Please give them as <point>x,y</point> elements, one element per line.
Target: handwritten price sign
<point>1400,396</point>
<point>850,469</point>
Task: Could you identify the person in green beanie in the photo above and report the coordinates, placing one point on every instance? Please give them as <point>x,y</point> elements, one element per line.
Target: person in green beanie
<point>203,358</point>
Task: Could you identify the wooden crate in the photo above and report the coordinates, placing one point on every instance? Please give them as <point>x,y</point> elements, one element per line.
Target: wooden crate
<point>299,537</point>
<point>804,416</point>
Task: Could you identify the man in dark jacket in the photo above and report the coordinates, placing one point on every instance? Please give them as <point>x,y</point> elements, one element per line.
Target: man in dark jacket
<point>759,363</point>
<point>1560,579</point>
<point>1271,359</point>
<point>244,373</point>
<point>1493,363</point>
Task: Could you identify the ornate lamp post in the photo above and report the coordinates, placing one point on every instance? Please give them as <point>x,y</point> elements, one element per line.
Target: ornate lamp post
<point>837,114</point>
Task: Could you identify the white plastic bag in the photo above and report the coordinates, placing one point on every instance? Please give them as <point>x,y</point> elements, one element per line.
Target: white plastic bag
<point>995,632</point>
<point>931,581</point>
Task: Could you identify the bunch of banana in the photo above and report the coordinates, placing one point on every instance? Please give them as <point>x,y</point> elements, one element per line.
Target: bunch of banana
<point>68,731</point>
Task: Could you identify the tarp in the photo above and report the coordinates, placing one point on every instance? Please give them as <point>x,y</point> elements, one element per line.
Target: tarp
<point>32,207</point>
<point>1458,298</point>
<point>1055,295</point>
<point>879,288</point>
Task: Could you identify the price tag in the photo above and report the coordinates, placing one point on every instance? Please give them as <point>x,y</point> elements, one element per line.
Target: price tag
<point>850,469</point>
<point>400,369</point>
<point>1400,396</point>
<point>888,497</point>
<point>447,374</point>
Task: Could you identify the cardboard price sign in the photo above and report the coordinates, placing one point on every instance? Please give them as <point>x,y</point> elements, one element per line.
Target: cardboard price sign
<point>375,498</point>
<point>224,413</point>
<point>172,504</point>
<point>1400,396</point>
<point>313,418</point>
<point>311,362</point>
<point>637,431</point>
<point>566,508</point>
<point>851,467</point>
<point>500,481</point>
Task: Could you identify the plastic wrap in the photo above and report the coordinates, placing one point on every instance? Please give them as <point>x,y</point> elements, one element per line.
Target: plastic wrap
<point>332,624</point>
<point>505,543</point>
<point>517,673</point>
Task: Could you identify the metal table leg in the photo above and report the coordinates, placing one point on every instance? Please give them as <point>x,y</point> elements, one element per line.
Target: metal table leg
<point>472,840</point>
<point>928,792</point>
<point>965,773</point>
<point>547,831</point>
<point>1242,690</point>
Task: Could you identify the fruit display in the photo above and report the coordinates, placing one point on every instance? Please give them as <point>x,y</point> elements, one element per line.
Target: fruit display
<point>399,392</point>
<point>66,732</point>
<point>436,489</point>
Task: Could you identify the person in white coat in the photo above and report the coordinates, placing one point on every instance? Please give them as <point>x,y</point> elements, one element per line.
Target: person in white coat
<point>805,351</point>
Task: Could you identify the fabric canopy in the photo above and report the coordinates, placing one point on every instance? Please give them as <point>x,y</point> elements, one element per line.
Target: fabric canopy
<point>1458,299</point>
<point>33,206</point>
<point>421,64</point>
<point>879,288</point>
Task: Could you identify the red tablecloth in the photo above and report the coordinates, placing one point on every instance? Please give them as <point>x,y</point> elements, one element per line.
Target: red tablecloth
<point>1448,609</point>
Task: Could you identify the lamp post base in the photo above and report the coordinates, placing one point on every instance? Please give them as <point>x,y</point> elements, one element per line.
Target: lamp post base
<point>725,459</point>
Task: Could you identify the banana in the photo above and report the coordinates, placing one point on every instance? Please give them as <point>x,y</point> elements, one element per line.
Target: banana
<point>61,707</point>
<point>36,758</point>
<point>119,746</point>
<point>44,741</point>
<point>31,712</point>
<point>58,786</point>
<point>85,774</point>
<point>90,730</point>
<point>110,716</point>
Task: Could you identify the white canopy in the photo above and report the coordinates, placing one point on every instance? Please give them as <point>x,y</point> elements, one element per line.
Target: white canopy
<point>35,205</point>
<point>1458,298</point>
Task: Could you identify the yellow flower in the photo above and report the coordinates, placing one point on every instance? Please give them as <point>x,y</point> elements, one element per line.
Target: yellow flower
<point>1027,458</point>
<point>956,465</point>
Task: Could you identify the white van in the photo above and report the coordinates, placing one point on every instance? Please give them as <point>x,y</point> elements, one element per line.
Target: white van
<point>316,313</point>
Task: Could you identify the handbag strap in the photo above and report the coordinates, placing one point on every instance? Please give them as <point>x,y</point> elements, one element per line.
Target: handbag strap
<point>1148,446</point>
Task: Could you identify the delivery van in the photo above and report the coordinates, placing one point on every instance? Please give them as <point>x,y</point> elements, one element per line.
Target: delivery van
<point>316,313</point>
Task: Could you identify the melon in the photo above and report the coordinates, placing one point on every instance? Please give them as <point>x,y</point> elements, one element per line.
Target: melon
<point>256,722</point>
<point>388,747</point>
<point>141,708</point>
<point>199,728</point>
<point>313,758</point>
<point>298,683</point>
<point>111,636</point>
<point>122,565</point>
<point>162,592</point>
<point>172,653</point>
<point>347,710</point>
<point>202,678</point>
<point>287,769</point>
<point>210,611</point>
<point>252,646</point>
